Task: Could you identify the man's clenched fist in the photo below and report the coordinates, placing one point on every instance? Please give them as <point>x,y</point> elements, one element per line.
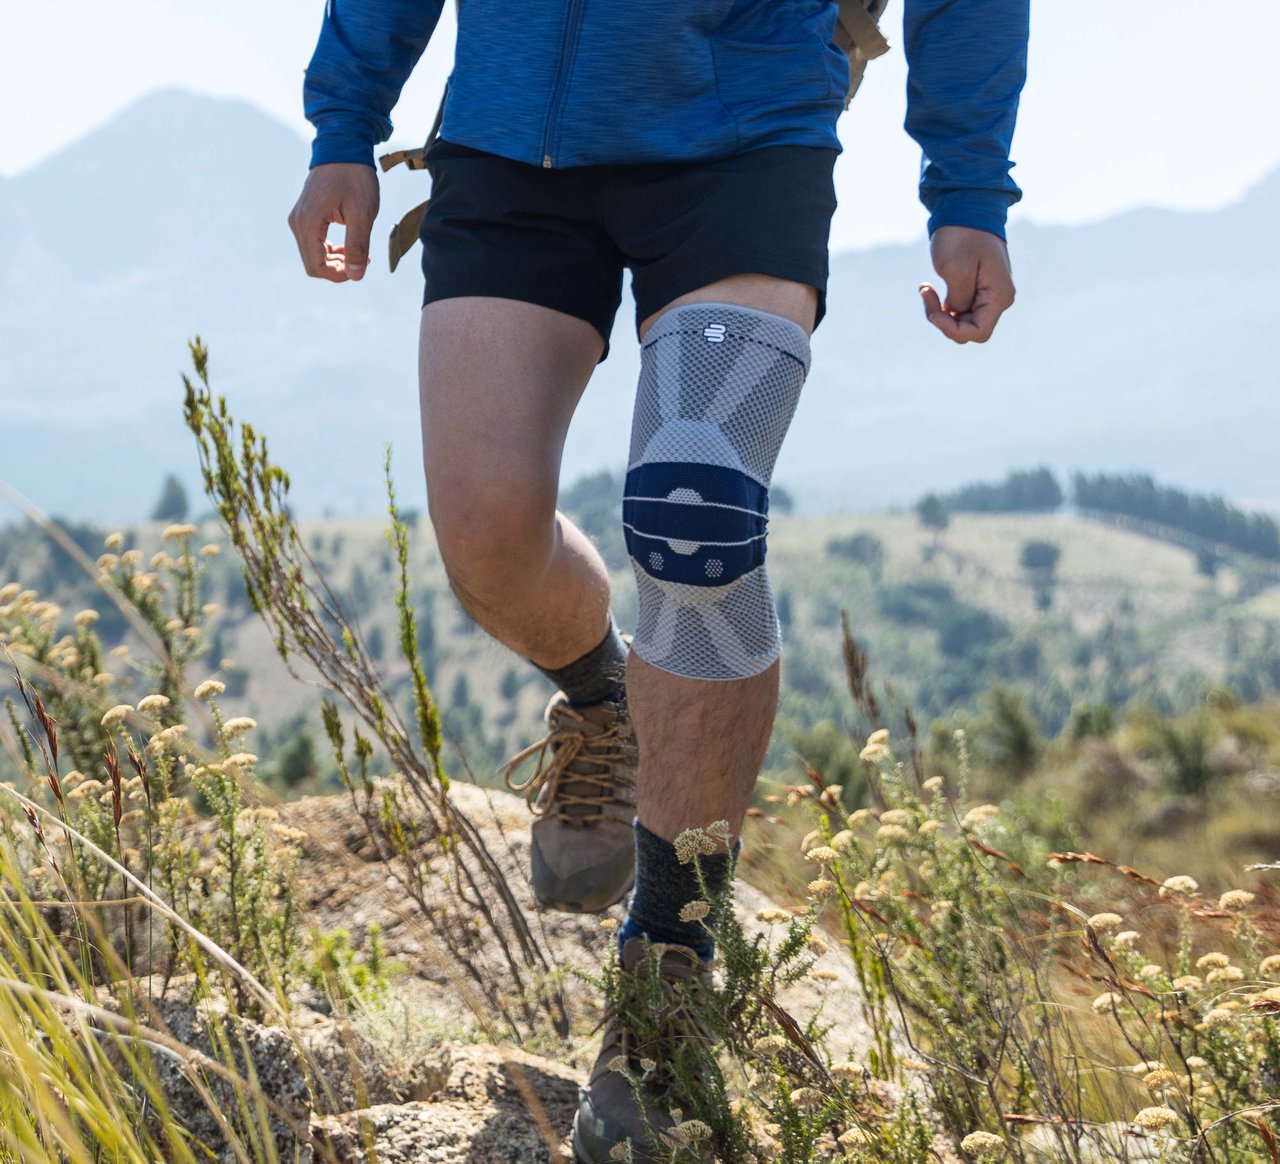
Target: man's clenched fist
<point>342,192</point>
<point>974,264</point>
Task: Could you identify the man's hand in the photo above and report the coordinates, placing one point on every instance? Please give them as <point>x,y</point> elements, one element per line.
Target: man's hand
<point>975,266</point>
<point>342,192</point>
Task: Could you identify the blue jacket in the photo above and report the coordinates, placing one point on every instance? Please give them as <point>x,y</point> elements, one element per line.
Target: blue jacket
<point>583,82</point>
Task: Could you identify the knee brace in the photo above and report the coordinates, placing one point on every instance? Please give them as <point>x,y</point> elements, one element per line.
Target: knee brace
<point>718,387</point>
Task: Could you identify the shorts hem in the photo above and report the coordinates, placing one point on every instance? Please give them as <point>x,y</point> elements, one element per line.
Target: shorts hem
<point>473,289</point>
<point>659,295</point>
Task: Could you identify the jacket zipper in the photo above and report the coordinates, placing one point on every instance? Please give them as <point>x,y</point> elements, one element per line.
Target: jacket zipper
<point>572,24</point>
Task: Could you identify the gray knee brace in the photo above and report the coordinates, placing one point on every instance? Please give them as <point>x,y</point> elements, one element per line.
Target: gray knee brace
<point>718,387</point>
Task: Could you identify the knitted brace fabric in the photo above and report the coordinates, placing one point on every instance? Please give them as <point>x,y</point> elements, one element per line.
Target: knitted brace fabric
<point>718,387</point>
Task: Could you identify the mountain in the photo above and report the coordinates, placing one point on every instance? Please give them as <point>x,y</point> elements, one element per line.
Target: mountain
<point>1145,341</point>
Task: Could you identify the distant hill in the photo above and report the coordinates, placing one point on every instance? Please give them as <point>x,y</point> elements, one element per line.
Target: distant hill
<point>1130,622</point>
<point>1145,341</point>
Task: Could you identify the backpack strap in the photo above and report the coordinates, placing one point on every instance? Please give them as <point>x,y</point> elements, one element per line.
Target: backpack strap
<point>859,35</point>
<point>405,232</point>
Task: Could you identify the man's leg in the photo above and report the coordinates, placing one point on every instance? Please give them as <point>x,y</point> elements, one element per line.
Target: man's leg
<point>500,379</point>
<point>702,740</point>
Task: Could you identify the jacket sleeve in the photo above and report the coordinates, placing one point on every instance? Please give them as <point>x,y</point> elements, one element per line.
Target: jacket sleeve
<point>967,61</point>
<point>367,50</point>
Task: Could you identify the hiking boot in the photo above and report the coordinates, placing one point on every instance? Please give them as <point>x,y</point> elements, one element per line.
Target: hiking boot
<point>611,1109</point>
<point>583,792</point>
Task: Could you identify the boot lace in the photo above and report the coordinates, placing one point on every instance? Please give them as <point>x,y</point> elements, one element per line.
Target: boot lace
<point>556,785</point>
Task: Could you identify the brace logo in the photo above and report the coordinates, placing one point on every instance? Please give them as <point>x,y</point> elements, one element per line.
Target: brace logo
<point>714,333</point>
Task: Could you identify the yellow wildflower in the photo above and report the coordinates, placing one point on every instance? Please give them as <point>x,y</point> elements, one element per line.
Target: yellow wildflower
<point>1106,921</point>
<point>690,1132</point>
<point>820,888</point>
<point>808,1098</point>
<point>983,1144</point>
<point>1179,884</point>
<point>695,911</point>
<point>892,832</point>
<point>1155,1119</point>
<point>769,1046</point>
<point>772,915</point>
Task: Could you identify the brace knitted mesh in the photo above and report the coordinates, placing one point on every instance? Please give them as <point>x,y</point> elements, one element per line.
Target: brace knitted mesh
<point>719,385</point>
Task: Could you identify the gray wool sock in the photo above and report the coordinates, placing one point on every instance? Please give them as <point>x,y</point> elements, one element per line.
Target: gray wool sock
<point>664,887</point>
<point>597,676</point>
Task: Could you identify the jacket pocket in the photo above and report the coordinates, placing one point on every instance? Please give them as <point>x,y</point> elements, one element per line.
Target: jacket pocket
<point>773,53</point>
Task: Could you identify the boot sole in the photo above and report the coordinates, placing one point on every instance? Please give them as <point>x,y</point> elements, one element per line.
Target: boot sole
<point>578,907</point>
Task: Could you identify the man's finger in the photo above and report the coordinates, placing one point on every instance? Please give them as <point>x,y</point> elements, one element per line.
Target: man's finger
<point>932,303</point>
<point>961,283</point>
<point>947,324</point>
<point>934,312</point>
<point>310,234</point>
<point>983,320</point>
<point>355,247</point>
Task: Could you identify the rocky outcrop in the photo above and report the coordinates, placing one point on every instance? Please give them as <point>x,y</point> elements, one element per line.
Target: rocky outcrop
<point>431,1076</point>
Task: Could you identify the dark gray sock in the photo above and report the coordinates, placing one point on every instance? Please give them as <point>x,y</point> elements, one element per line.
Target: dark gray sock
<point>664,887</point>
<point>598,675</point>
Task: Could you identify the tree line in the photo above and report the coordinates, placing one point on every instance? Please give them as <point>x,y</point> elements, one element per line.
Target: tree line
<point>1208,517</point>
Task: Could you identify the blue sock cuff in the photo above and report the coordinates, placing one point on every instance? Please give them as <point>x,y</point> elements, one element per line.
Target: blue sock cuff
<point>630,928</point>
<point>665,885</point>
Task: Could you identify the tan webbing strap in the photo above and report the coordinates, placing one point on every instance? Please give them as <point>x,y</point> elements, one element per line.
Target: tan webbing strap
<point>415,159</point>
<point>858,34</point>
<point>861,28</point>
<point>405,232</point>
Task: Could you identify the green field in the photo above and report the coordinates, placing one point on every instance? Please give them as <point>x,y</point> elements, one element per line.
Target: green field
<point>944,618</point>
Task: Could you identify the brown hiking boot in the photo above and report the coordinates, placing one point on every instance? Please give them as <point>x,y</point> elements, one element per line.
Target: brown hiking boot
<point>583,791</point>
<point>612,1110</point>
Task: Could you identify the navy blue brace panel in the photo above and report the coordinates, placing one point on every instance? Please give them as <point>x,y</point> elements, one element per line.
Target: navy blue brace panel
<point>727,525</point>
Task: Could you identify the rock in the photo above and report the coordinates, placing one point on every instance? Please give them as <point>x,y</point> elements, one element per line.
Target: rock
<point>495,1106</point>
<point>267,1052</point>
<point>430,1074</point>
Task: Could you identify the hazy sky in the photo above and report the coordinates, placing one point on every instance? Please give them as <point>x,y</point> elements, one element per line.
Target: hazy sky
<point>1144,102</point>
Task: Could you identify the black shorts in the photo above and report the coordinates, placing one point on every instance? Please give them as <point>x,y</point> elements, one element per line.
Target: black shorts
<point>561,238</point>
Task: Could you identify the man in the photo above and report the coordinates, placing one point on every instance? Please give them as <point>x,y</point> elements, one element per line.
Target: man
<point>691,141</point>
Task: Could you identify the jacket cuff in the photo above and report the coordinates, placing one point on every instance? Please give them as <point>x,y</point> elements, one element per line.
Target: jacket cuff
<point>342,143</point>
<point>980,209</point>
